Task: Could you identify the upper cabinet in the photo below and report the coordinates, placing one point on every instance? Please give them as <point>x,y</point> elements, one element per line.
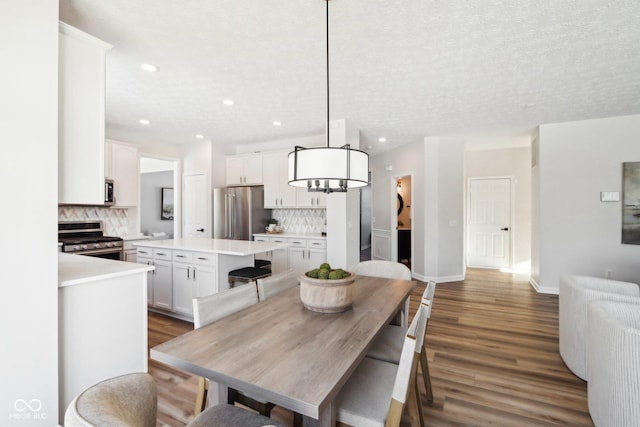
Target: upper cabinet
<point>277,191</point>
<point>122,167</point>
<point>81,116</point>
<point>244,169</point>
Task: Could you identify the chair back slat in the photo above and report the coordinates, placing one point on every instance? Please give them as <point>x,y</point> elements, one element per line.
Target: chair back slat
<point>213,307</point>
<point>273,285</point>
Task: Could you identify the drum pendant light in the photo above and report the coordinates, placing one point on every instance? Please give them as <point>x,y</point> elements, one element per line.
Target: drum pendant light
<point>328,169</point>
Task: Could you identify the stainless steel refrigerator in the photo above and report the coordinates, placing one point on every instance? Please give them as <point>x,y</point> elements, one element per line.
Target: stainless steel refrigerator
<point>238,212</point>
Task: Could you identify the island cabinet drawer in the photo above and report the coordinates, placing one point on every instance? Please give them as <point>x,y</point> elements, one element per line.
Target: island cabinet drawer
<point>317,243</point>
<point>145,252</point>
<point>204,258</point>
<point>163,254</point>
<point>183,256</point>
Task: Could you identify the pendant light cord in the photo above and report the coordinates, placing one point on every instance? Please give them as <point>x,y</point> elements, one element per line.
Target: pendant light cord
<point>328,126</point>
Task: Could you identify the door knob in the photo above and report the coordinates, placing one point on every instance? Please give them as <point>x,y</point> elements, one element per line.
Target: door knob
<point>200,229</point>
<point>505,229</point>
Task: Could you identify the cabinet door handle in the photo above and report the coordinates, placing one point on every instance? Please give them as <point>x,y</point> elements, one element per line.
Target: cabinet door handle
<point>194,273</point>
<point>188,270</point>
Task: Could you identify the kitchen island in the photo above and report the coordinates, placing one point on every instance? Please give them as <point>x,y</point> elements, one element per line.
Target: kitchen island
<point>102,322</point>
<point>190,268</point>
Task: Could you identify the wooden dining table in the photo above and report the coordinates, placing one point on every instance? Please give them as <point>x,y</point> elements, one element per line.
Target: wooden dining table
<point>281,352</point>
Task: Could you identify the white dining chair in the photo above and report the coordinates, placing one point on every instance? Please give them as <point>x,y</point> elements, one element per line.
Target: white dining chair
<point>276,283</point>
<point>388,344</point>
<point>377,392</point>
<point>131,400</point>
<point>613,369</point>
<point>388,270</point>
<point>575,294</point>
<point>213,307</point>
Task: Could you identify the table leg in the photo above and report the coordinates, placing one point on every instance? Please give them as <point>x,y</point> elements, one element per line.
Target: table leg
<point>327,417</point>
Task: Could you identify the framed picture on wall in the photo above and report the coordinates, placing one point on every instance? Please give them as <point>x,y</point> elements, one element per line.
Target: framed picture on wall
<point>631,203</point>
<point>166,212</point>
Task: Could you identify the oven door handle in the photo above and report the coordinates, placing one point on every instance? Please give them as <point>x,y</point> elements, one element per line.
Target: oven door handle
<point>98,251</point>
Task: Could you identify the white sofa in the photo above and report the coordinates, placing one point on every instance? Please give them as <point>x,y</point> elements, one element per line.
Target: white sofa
<point>575,294</point>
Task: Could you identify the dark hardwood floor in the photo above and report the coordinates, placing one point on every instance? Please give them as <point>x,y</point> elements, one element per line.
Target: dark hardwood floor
<point>492,345</point>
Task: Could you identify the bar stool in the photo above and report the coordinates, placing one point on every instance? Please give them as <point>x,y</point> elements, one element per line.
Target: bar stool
<point>247,274</point>
<point>262,263</point>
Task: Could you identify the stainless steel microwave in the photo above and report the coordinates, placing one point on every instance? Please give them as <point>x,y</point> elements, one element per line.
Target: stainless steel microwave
<point>109,194</point>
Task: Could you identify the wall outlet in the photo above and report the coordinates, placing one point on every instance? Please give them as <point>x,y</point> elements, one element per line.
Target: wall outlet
<point>609,274</point>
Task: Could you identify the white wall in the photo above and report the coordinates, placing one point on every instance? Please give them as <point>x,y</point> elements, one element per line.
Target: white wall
<point>578,234</point>
<point>28,218</point>
<point>404,160</point>
<point>516,164</point>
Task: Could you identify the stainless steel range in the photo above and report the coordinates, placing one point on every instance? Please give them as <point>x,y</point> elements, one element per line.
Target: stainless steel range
<point>87,238</point>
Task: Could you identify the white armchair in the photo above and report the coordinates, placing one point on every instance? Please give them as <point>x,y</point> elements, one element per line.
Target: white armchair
<point>613,363</point>
<point>575,294</point>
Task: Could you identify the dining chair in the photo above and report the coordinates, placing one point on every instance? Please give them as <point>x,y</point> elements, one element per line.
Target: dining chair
<point>213,307</point>
<point>613,351</point>
<point>575,293</point>
<point>388,270</point>
<point>276,283</point>
<point>130,400</point>
<point>377,392</point>
<point>388,345</point>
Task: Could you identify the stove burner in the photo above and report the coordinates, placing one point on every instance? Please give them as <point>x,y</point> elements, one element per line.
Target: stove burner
<point>86,238</point>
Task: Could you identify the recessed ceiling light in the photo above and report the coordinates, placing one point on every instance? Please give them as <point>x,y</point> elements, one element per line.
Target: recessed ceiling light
<point>277,123</point>
<point>145,121</point>
<point>383,139</point>
<point>149,67</point>
<point>369,147</point>
<point>228,102</point>
<point>199,136</point>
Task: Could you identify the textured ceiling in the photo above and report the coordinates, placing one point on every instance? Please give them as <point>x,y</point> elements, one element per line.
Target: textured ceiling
<point>402,69</point>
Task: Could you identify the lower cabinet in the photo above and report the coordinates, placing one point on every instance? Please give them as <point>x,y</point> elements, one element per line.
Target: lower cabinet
<point>194,276</point>
<point>307,254</point>
<point>279,257</point>
<point>302,255</point>
<point>159,293</point>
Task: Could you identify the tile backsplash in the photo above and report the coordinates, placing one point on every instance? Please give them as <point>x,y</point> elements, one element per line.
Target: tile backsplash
<point>301,220</point>
<point>114,220</point>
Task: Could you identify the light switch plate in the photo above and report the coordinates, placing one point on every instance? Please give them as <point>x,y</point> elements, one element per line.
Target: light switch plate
<point>609,196</point>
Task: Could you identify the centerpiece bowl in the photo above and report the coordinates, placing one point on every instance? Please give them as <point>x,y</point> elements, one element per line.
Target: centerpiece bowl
<point>327,295</point>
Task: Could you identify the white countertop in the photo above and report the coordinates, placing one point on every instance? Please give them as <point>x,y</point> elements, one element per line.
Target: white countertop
<point>79,269</point>
<point>131,237</point>
<point>293,235</point>
<point>217,246</point>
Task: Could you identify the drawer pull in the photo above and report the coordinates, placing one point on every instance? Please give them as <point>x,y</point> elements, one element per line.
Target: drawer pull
<point>180,256</point>
<point>204,259</point>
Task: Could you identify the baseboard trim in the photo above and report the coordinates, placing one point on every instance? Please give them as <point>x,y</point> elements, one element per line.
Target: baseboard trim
<point>542,290</point>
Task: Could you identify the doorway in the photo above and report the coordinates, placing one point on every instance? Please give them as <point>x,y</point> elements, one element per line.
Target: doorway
<point>365,221</point>
<point>489,219</point>
<point>159,210</point>
<point>404,217</point>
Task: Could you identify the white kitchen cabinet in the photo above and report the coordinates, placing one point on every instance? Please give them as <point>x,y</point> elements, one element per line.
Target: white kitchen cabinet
<point>244,169</point>
<point>145,256</point>
<point>159,282</point>
<point>310,199</point>
<point>279,257</point>
<point>122,167</point>
<point>275,172</point>
<point>194,276</point>
<point>307,254</point>
<point>81,117</point>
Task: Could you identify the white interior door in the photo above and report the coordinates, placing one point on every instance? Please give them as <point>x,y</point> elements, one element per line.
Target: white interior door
<point>489,231</point>
<point>195,206</point>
